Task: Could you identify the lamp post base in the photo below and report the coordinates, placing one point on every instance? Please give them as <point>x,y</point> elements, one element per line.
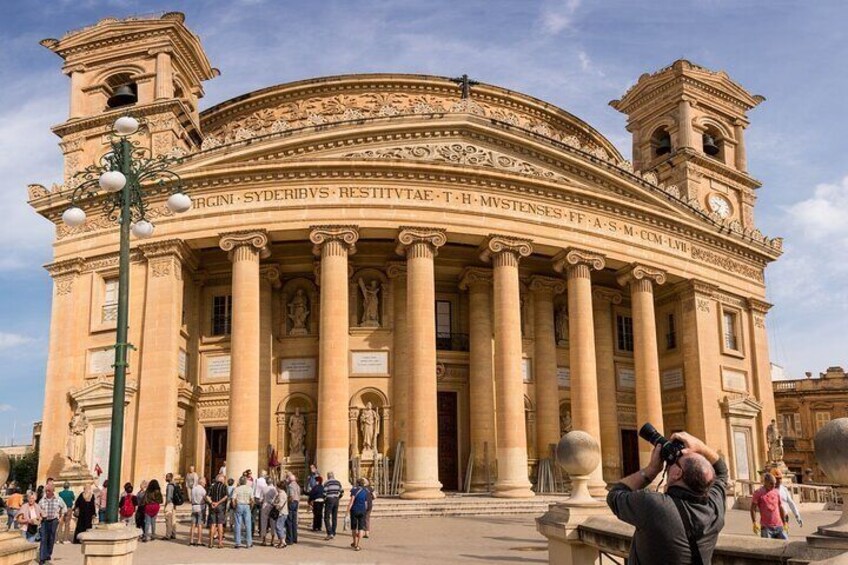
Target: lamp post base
<point>109,544</point>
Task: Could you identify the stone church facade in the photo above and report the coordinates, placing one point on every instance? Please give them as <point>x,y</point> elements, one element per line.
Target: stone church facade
<point>382,260</point>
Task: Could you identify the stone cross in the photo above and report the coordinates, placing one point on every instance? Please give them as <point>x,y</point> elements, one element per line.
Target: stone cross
<point>465,85</point>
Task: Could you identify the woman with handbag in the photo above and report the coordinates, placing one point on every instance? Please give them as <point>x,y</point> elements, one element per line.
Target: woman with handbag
<point>85,508</point>
<point>29,518</point>
<point>279,514</point>
<point>152,503</point>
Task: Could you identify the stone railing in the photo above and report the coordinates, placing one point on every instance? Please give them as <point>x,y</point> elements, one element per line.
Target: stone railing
<point>783,386</point>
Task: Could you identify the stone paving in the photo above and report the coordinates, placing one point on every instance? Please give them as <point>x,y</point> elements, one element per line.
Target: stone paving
<point>406,541</point>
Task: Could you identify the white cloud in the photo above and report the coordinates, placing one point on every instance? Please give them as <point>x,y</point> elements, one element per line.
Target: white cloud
<point>6,407</point>
<point>822,217</point>
<point>559,16</point>
<point>11,340</point>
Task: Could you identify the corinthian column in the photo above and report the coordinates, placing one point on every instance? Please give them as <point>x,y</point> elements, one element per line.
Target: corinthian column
<point>545,362</point>
<point>577,265</point>
<point>505,253</point>
<point>604,298</point>
<point>333,244</point>
<point>478,283</point>
<point>641,280</point>
<point>420,246</point>
<point>244,248</point>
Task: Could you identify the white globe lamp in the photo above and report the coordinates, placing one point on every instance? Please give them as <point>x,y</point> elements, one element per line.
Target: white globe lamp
<point>142,229</point>
<point>112,181</point>
<point>73,217</point>
<point>126,125</point>
<point>179,203</point>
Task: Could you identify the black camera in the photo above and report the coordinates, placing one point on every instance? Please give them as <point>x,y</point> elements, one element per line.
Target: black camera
<point>671,450</point>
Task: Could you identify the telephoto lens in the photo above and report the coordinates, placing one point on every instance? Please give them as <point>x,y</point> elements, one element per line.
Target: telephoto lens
<point>670,450</point>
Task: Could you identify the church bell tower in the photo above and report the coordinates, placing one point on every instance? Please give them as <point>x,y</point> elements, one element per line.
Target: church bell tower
<point>150,68</point>
<point>687,124</point>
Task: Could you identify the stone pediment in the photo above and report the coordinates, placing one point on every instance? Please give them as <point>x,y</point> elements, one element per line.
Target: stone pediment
<point>741,406</point>
<point>95,397</point>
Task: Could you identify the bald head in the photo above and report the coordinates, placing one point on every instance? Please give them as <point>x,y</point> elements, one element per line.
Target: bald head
<point>769,481</point>
<point>697,473</point>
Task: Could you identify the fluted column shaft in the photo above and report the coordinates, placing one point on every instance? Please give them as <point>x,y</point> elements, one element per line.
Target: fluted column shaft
<point>545,363</point>
<point>641,281</point>
<point>333,244</point>
<point>505,253</point>
<point>245,250</point>
<point>420,246</point>
<point>481,383</point>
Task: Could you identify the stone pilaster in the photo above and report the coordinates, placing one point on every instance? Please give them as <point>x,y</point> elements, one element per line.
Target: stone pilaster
<point>420,246</point>
<point>577,265</point>
<point>65,335</point>
<point>159,364</point>
<point>505,254</point>
<point>245,249</point>
<point>269,280</point>
<point>396,272</point>
<point>481,396</point>
<point>604,298</point>
<point>641,280</point>
<point>334,244</point>
<point>545,363</point>
<point>761,365</point>
<point>164,86</point>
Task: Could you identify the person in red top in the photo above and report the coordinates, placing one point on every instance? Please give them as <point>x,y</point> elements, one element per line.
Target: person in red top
<point>773,517</point>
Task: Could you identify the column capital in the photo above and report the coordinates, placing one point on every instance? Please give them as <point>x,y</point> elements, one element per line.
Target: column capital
<point>759,306</point>
<point>346,235</point>
<point>74,68</point>
<point>637,272</point>
<point>395,269</point>
<point>572,256</point>
<point>258,239</point>
<point>66,267</point>
<point>410,235</point>
<point>500,244</point>
<point>475,276</point>
<point>699,288</point>
<point>271,273</point>
<point>603,294</point>
<point>546,285</point>
<point>168,248</point>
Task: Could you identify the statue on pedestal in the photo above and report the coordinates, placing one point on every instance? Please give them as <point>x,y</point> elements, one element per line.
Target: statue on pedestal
<point>298,312</point>
<point>370,304</point>
<point>775,442</point>
<point>565,422</point>
<point>562,325</point>
<point>76,438</point>
<point>369,425</point>
<point>297,433</point>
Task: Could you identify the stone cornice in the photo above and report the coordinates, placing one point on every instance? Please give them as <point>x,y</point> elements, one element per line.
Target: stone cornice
<point>171,247</point>
<point>475,276</point>
<point>759,306</point>
<point>409,235</point>
<point>695,288</point>
<point>67,267</point>
<point>574,256</point>
<point>638,272</point>
<point>495,244</point>
<point>257,239</point>
<point>547,285</point>
<point>347,235</point>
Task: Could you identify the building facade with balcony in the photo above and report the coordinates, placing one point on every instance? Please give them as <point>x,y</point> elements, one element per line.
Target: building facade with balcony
<point>386,259</point>
<point>803,406</point>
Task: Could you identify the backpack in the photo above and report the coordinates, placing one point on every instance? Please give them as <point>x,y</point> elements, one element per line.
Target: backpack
<point>177,498</point>
<point>127,508</point>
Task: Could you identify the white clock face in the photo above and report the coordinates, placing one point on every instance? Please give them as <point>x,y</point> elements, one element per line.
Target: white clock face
<point>720,205</point>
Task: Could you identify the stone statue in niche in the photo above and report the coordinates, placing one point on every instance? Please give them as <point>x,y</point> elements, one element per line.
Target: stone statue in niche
<point>298,312</point>
<point>369,426</point>
<point>565,422</point>
<point>775,442</point>
<point>297,433</point>
<point>562,325</point>
<point>370,304</point>
<point>76,438</point>
<point>178,451</point>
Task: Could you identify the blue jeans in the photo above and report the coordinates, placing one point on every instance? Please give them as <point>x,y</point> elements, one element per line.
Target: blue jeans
<point>48,539</point>
<point>149,526</point>
<point>280,527</point>
<point>244,519</point>
<point>10,518</point>
<point>291,523</point>
<point>776,532</point>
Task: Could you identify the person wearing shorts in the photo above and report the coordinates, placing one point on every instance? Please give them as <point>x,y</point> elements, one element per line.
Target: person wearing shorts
<point>356,509</point>
<point>198,509</point>
<point>216,501</point>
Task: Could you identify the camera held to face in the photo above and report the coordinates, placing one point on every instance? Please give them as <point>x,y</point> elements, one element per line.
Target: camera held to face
<point>670,450</point>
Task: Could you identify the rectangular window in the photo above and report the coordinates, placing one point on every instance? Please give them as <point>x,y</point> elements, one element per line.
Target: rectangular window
<point>731,335</point>
<point>624,332</point>
<point>109,309</point>
<point>671,333</point>
<point>443,324</point>
<point>822,418</point>
<point>222,314</point>
<point>791,424</point>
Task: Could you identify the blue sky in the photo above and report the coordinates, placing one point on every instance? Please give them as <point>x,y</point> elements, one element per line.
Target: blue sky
<point>577,54</point>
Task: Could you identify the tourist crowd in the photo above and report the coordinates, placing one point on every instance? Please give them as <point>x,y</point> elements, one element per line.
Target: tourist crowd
<point>251,508</point>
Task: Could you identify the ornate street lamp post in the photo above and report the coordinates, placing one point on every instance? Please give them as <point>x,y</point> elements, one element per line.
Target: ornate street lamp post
<point>121,174</point>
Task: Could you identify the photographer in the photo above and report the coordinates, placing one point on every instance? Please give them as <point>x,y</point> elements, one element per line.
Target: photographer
<point>682,525</point>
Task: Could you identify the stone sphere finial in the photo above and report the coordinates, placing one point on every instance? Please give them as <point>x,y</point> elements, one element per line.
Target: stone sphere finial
<point>832,454</point>
<point>579,454</point>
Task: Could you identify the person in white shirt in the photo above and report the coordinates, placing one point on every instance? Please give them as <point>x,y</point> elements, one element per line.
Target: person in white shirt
<point>198,512</point>
<point>259,486</point>
<point>786,497</point>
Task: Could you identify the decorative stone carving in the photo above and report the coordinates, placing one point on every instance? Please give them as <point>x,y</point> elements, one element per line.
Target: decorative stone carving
<point>298,312</point>
<point>35,191</point>
<point>251,238</point>
<point>370,303</point>
<point>574,256</point>
<point>498,244</point>
<point>546,285</point>
<point>606,294</point>
<point>297,435</point>
<point>472,276</point>
<point>369,426</point>
<point>77,427</point>
<point>561,324</point>
<point>565,424</point>
<point>726,263</point>
<point>408,235</point>
<point>320,235</point>
<point>637,272</point>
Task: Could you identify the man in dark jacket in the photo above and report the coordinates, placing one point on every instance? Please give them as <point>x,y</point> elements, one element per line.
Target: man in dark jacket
<point>680,526</point>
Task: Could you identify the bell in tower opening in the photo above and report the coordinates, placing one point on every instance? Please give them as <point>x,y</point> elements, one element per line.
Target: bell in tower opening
<point>124,95</point>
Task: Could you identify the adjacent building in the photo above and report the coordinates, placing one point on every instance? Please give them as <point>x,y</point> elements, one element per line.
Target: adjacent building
<point>384,258</point>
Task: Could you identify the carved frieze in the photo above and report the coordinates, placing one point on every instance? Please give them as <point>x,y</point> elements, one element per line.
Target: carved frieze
<point>726,263</point>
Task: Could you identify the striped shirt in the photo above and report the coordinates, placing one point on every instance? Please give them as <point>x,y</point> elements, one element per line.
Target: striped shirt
<point>217,491</point>
<point>52,508</point>
<point>332,489</point>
